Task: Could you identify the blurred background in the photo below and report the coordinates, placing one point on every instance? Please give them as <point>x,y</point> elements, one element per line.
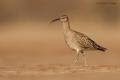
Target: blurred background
<point>27,37</point>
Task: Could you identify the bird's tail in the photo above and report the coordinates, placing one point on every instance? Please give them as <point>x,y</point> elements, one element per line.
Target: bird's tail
<point>101,48</point>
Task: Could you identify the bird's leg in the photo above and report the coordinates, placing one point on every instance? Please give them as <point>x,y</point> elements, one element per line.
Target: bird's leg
<point>76,59</point>
<point>84,58</point>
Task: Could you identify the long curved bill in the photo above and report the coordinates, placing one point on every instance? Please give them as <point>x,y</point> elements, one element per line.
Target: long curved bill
<point>55,20</point>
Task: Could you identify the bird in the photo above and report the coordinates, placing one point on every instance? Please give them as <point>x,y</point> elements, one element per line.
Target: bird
<point>77,41</point>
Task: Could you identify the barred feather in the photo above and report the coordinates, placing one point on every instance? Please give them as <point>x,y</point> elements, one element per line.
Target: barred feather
<point>84,42</point>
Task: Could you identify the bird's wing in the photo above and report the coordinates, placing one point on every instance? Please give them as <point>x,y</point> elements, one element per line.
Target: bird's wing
<point>84,41</point>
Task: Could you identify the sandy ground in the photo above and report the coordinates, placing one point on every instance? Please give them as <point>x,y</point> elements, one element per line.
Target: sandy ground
<point>28,53</point>
<point>58,72</point>
<point>33,49</point>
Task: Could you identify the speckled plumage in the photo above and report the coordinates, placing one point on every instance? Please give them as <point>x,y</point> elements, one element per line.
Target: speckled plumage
<point>79,41</point>
<point>76,40</point>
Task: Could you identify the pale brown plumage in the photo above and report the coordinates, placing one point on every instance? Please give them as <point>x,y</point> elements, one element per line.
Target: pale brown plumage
<point>85,43</point>
<point>76,40</point>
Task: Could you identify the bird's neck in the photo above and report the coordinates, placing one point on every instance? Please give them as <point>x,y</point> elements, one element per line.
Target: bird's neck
<point>66,26</point>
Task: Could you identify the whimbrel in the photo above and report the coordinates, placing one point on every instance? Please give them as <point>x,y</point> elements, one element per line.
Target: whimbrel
<point>77,40</point>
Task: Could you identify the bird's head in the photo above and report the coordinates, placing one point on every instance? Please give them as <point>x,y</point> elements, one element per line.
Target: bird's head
<point>63,18</point>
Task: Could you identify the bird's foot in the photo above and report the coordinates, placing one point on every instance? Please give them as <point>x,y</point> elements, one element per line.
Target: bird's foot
<point>85,65</point>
